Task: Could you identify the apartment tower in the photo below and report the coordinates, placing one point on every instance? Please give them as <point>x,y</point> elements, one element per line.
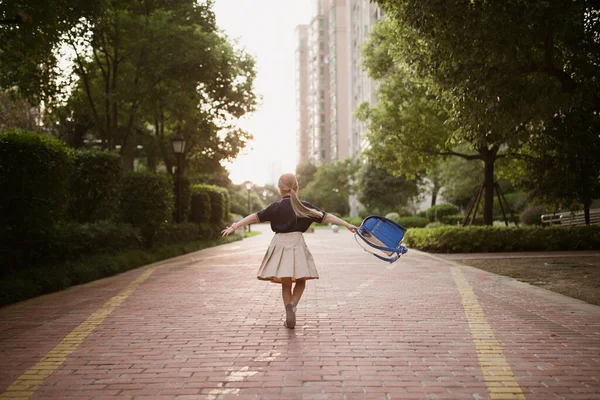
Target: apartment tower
<point>302,128</point>
<point>322,98</point>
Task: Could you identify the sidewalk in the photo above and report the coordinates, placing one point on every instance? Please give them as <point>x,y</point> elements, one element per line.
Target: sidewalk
<point>202,326</point>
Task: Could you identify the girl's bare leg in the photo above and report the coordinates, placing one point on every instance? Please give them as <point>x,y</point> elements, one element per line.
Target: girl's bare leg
<point>286,290</point>
<point>298,290</point>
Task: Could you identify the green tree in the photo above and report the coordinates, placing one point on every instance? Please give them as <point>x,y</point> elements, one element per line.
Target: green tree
<point>563,167</point>
<point>497,93</point>
<point>28,56</point>
<point>145,71</point>
<point>305,172</point>
<point>330,187</point>
<point>460,180</point>
<point>380,192</point>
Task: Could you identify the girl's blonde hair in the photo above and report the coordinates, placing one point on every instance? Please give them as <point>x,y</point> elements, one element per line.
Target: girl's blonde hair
<point>288,184</point>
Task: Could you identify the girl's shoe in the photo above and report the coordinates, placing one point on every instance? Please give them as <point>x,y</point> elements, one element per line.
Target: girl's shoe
<point>290,316</point>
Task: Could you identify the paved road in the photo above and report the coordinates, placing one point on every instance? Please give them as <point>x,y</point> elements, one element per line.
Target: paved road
<point>202,326</point>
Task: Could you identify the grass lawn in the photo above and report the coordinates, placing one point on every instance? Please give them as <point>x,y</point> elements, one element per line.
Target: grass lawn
<point>577,277</point>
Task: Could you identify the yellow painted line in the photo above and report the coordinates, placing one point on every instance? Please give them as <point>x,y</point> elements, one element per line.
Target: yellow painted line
<point>33,378</point>
<point>498,376</point>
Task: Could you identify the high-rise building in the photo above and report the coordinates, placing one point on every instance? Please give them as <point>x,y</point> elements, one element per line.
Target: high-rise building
<point>336,83</point>
<point>362,16</point>
<point>302,136</point>
<point>326,88</point>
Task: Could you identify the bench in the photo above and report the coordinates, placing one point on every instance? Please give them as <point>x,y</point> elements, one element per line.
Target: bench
<point>567,218</point>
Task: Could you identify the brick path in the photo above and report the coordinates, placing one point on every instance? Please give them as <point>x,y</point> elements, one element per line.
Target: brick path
<point>203,327</point>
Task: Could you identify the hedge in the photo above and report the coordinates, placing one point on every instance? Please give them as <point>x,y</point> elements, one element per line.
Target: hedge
<point>34,186</point>
<point>219,202</point>
<point>200,209</point>
<point>412,222</point>
<point>95,186</point>
<point>33,282</point>
<point>474,239</point>
<point>439,211</point>
<point>146,202</point>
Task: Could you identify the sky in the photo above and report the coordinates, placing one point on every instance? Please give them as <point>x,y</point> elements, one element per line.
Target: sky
<point>266,30</point>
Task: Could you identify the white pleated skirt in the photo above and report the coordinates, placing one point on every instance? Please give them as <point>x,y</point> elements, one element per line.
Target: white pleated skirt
<point>287,257</point>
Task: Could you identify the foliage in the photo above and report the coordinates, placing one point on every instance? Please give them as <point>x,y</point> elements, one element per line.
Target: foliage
<point>438,212</point>
<point>219,201</point>
<point>460,180</point>
<point>380,192</point>
<point>563,166</point>
<point>146,202</point>
<point>200,210</point>
<point>492,239</point>
<point>239,199</point>
<point>95,186</point>
<point>330,187</point>
<point>532,215</point>
<point>305,173</point>
<point>28,58</point>
<point>356,221</point>
<point>25,284</point>
<point>34,182</point>
<point>453,219</point>
<point>16,113</point>
<point>393,216</point>
<point>497,95</point>
<point>412,222</point>
<point>140,72</point>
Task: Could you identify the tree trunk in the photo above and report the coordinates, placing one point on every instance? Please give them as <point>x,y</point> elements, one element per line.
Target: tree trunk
<point>586,213</point>
<point>434,194</point>
<point>128,153</point>
<point>489,158</point>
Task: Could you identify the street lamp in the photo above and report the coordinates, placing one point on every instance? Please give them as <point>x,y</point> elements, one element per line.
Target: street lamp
<point>178,143</point>
<point>248,187</point>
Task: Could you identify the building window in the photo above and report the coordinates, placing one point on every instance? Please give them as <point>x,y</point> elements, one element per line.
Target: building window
<point>323,154</point>
<point>322,118</point>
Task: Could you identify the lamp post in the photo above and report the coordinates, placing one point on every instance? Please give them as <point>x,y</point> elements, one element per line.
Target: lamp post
<point>178,143</point>
<point>248,187</point>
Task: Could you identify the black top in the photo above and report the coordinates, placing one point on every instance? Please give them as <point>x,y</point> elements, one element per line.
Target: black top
<point>283,219</point>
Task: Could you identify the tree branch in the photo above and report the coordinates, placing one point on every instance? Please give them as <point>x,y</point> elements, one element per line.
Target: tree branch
<point>567,83</point>
<point>86,83</point>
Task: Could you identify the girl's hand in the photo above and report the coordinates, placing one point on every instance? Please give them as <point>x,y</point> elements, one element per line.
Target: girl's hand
<point>351,228</point>
<point>227,231</point>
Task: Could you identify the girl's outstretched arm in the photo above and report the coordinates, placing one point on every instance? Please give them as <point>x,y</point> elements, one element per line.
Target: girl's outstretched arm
<point>250,219</point>
<point>338,221</point>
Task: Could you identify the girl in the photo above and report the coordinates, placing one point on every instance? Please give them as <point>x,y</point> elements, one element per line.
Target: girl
<point>288,259</point>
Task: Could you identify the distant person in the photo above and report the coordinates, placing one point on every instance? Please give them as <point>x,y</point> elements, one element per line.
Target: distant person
<point>288,259</point>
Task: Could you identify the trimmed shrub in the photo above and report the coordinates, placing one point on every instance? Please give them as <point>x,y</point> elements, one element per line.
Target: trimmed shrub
<point>219,201</point>
<point>101,237</point>
<point>532,215</point>
<point>146,202</point>
<point>356,221</point>
<point>494,239</point>
<point>453,219</point>
<point>180,233</point>
<point>34,186</point>
<point>413,222</point>
<point>200,209</point>
<point>34,282</point>
<point>95,186</point>
<point>437,212</point>
<point>435,224</point>
<point>393,216</point>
